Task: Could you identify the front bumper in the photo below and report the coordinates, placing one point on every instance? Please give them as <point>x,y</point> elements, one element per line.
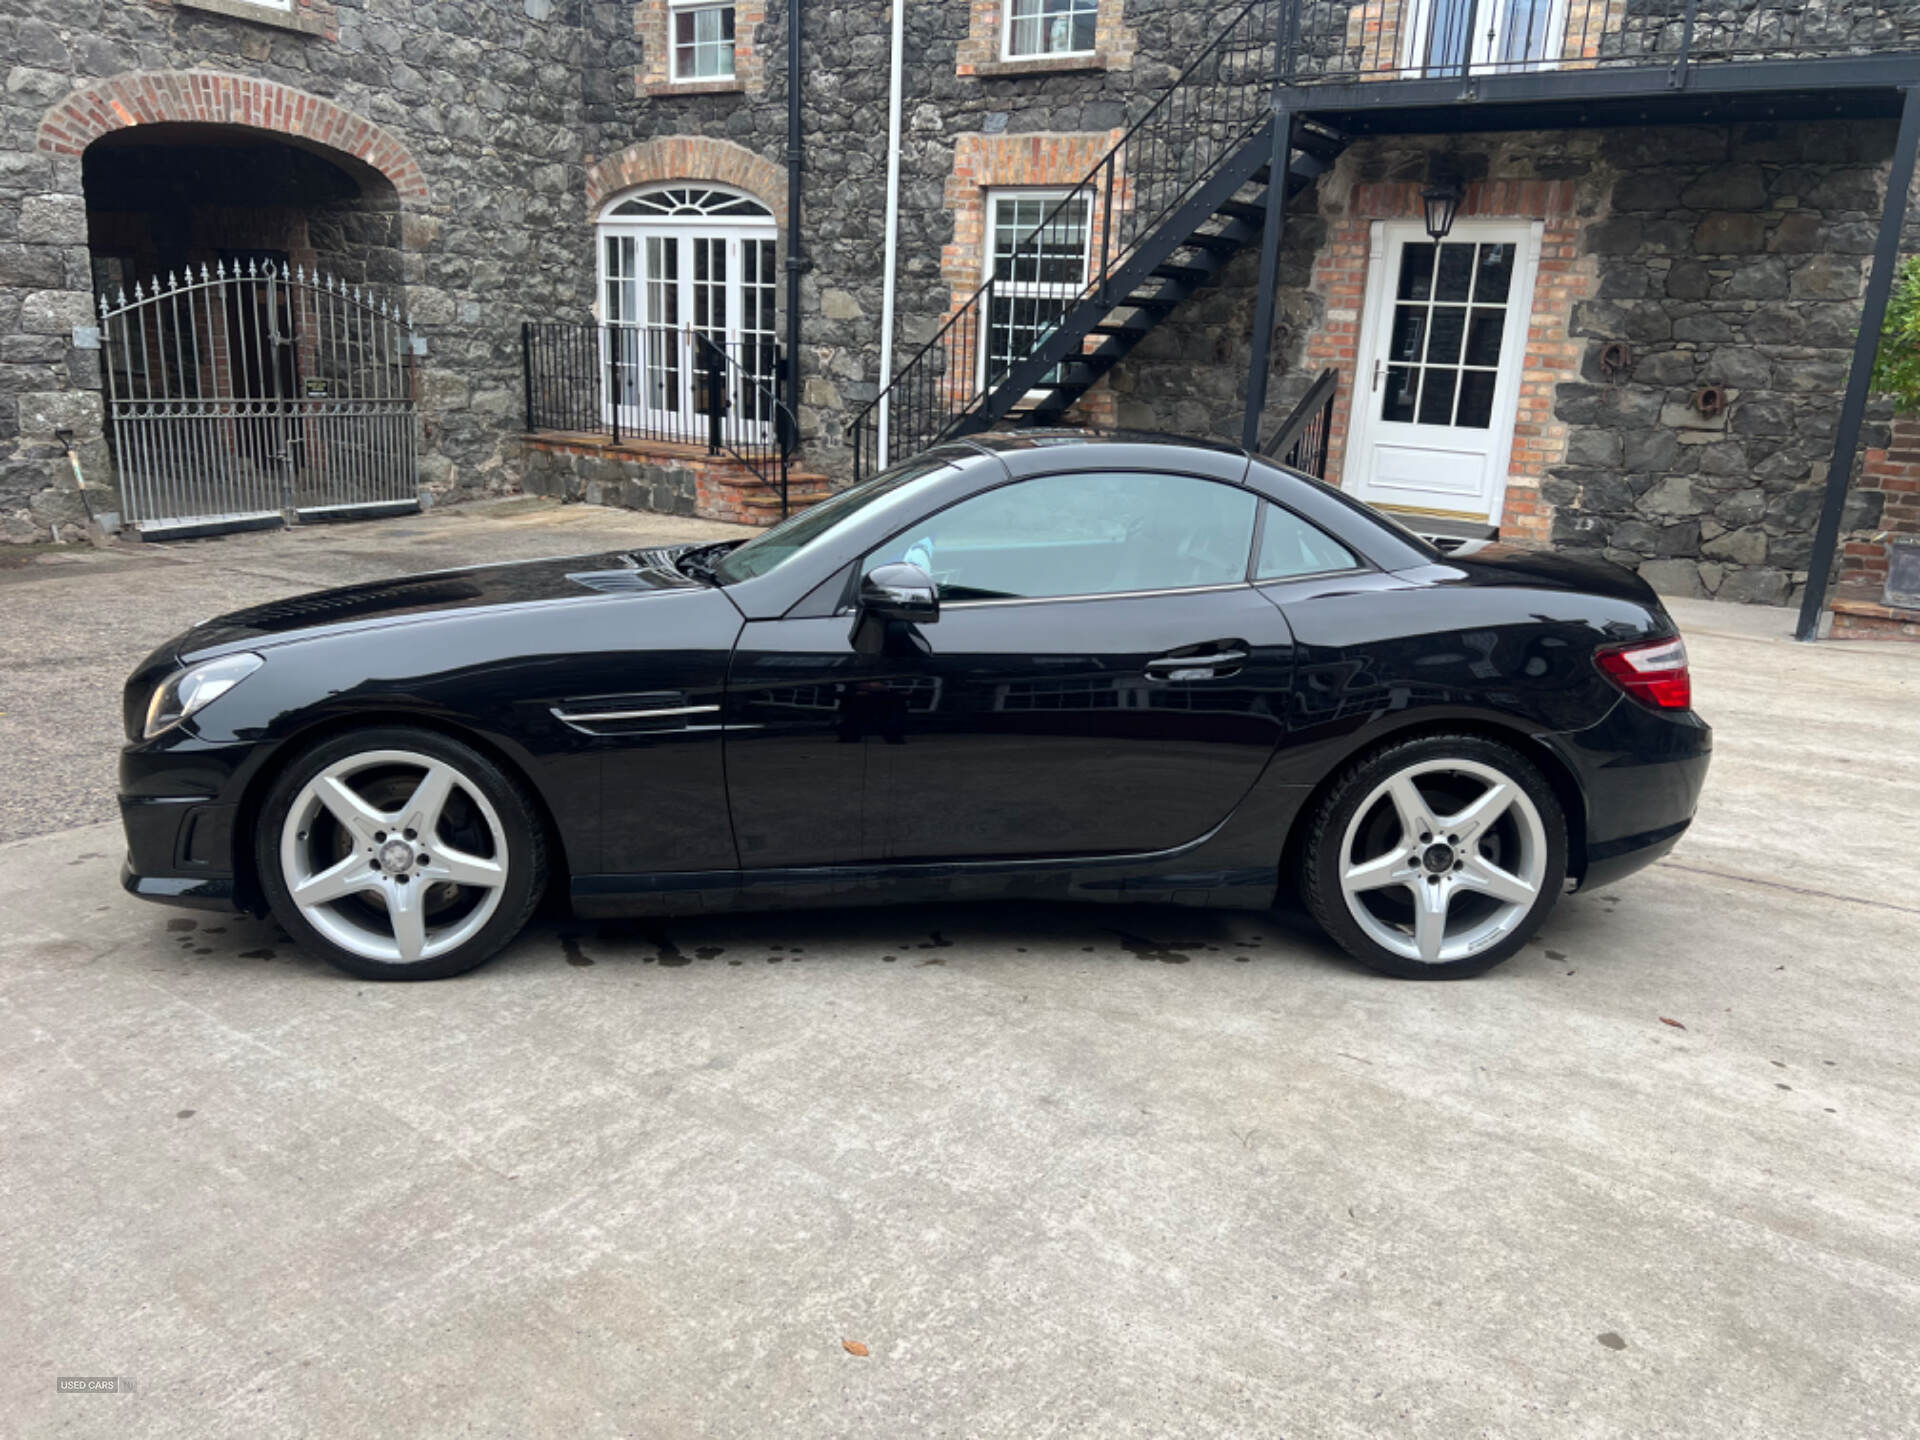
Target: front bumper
<point>1642,771</point>
<point>180,807</point>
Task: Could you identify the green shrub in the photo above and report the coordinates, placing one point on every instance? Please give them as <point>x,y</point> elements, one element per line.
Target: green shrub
<point>1896,370</point>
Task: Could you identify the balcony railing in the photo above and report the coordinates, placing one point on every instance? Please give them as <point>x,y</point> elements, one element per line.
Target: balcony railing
<point>674,386</point>
<point>1336,41</point>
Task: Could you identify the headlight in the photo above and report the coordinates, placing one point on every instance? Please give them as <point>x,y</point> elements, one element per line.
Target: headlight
<point>195,689</point>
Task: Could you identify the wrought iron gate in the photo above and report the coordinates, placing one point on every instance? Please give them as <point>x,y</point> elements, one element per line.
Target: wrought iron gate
<point>255,395</point>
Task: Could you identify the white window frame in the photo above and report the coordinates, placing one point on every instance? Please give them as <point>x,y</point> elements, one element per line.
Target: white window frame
<point>733,231</point>
<point>1486,44</point>
<point>1050,196</point>
<point>677,8</point>
<point>1007,52</point>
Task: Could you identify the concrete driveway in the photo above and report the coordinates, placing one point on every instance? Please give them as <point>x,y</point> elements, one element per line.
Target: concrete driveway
<point>1000,1171</point>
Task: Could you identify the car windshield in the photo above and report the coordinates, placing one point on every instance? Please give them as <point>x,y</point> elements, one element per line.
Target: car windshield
<point>765,553</point>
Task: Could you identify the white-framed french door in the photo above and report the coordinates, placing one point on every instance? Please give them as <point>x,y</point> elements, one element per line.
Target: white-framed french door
<point>665,286</point>
<point>1451,37</point>
<point>1443,339</point>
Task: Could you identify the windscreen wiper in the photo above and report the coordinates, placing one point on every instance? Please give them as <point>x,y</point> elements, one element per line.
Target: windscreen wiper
<point>695,563</point>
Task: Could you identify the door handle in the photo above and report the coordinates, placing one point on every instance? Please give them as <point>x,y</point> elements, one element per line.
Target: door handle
<point>1196,667</point>
<point>1379,368</point>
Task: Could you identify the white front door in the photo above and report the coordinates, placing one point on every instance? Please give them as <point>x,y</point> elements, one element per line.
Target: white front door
<point>1442,347</point>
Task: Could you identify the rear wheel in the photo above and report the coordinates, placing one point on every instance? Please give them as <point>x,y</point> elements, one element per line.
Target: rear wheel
<point>399,854</point>
<point>1436,858</point>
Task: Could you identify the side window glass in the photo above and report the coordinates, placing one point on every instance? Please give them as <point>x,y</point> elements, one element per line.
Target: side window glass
<point>1094,534</point>
<point>1290,546</point>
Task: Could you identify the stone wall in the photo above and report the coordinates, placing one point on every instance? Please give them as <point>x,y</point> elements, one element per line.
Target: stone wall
<point>950,91</point>
<point>471,108</point>
<point>1724,256</point>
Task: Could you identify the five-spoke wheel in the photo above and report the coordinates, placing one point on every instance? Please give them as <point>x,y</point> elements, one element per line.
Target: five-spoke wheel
<point>403,854</point>
<point>1436,857</point>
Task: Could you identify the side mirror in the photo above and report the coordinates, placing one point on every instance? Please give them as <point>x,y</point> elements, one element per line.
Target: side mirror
<point>900,592</point>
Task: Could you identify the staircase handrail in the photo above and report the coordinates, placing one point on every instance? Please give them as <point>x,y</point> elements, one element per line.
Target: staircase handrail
<point>1111,258</point>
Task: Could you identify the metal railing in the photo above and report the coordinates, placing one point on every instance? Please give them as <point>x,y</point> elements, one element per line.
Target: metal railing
<point>1213,108</point>
<point>764,446</point>
<point>1444,39</point>
<point>256,393</point>
<point>1306,435</point>
<point>675,386</point>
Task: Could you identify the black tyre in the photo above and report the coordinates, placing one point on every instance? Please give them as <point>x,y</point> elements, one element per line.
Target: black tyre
<point>1435,858</point>
<point>399,854</point>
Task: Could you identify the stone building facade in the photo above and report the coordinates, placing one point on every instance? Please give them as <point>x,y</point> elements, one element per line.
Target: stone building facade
<point>1693,288</point>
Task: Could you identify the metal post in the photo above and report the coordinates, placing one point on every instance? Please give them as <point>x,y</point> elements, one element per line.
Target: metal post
<point>796,250</point>
<point>1846,438</point>
<point>716,404</point>
<point>281,402</point>
<point>1677,77</point>
<point>526,368</point>
<point>1261,361</point>
<point>613,377</point>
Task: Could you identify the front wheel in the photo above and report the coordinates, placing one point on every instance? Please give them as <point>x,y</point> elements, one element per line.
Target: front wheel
<point>1436,858</point>
<point>400,854</point>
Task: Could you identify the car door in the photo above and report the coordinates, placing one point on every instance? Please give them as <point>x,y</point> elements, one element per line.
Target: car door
<point>1102,677</point>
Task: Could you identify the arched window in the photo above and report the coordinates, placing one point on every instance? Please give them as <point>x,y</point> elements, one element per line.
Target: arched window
<point>680,264</point>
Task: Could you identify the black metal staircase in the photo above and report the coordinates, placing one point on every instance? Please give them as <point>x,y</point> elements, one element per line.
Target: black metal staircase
<point>1159,217</point>
<point>1188,252</point>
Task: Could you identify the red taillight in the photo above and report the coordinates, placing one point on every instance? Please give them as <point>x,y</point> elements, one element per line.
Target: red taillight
<point>1654,673</point>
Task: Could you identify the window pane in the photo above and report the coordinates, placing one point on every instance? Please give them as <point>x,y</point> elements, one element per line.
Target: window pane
<point>1455,277</point>
<point>1483,337</point>
<point>1436,397</point>
<point>1050,27</point>
<point>1494,276</point>
<point>1476,399</point>
<point>1083,535</point>
<point>703,43</point>
<point>1409,333</point>
<point>1403,383</point>
<point>1449,325</point>
<point>1416,272</point>
<point>1039,261</point>
<point>1290,546</point>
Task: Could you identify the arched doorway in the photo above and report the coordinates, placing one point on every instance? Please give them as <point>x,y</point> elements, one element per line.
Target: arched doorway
<point>687,269</point>
<point>173,197</point>
<point>244,241</point>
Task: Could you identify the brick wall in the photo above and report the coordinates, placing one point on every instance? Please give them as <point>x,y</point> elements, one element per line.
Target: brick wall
<point>979,54</point>
<point>1885,502</point>
<point>1340,281</point>
<point>983,163</point>
<point>652,21</point>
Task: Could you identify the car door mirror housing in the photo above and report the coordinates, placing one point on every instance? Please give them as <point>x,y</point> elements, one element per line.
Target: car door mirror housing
<point>900,591</point>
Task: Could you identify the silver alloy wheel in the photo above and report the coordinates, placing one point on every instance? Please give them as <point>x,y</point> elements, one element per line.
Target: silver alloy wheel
<point>1484,858</point>
<point>397,858</point>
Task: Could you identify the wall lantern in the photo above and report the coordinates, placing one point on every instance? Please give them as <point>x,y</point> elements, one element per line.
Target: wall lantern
<point>1442,202</point>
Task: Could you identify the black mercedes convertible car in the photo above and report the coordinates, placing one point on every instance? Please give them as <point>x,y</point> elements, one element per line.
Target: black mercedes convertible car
<point>1035,665</point>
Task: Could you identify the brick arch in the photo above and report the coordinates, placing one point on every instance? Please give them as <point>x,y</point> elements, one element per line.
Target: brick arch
<point>689,157</point>
<point>212,97</point>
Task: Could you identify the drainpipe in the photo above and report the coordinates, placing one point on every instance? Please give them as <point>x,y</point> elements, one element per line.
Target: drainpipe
<point>796,251</point>
<point>893,224</point>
